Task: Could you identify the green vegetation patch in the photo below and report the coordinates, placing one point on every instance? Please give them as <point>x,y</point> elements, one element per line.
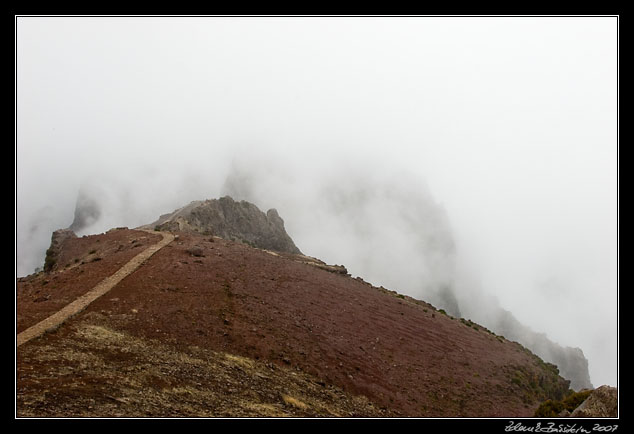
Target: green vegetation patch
<point>551,408</point>
<point>50,260</point>
<point>537,385</point>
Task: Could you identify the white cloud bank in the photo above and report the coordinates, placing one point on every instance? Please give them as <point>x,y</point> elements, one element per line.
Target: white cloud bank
<point>509,123</point>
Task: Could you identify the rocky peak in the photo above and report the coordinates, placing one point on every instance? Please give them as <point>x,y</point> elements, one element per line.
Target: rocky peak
<point>232,220</point>
<point>57,239</point>
<point>87,212</point>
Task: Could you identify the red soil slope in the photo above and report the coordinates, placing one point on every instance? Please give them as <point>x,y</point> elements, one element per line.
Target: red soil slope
<point>404,356</point>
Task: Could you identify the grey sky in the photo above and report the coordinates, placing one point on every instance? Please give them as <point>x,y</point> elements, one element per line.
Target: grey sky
<point>511,122</point>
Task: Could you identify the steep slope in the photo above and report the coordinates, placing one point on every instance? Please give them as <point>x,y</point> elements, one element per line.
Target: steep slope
<point>571,362</point>
<point>397,213</point>
<point>213,327</point>
<point>376,212</point>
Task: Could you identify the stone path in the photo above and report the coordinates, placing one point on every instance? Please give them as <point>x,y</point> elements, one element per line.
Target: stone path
<point>55,320</point>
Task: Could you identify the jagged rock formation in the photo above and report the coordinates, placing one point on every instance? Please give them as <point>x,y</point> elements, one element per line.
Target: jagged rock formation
<point>232,220</point>
<point>52,254</point>
<point>602,402</point>
<point>571,362</point>
<point>87,212</point>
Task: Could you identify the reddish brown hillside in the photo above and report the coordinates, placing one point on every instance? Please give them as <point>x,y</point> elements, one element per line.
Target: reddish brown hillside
<point>82,263</point>
<point>346,347</point>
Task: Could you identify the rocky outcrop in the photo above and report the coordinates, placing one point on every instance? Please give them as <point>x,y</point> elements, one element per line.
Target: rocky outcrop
<point>602,402</point>
<point>87,212</point>
<point>337,269</point>
<point>571,362</point>
<point>52,254</point>
<point>237,221</point>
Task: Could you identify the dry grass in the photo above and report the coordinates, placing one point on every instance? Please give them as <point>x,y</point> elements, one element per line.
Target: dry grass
<point>93,369</point>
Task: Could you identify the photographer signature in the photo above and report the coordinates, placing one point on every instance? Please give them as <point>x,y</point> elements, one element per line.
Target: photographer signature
<point>551,427</point>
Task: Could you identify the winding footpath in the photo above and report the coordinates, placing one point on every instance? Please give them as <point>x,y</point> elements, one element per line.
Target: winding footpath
<point>55,320</point>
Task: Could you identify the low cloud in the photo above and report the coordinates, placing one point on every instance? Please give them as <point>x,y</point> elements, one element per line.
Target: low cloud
<point>477,154</point>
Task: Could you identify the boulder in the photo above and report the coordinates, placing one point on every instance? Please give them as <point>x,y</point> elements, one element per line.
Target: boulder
<point>196,251</point>
<point>602,402</point>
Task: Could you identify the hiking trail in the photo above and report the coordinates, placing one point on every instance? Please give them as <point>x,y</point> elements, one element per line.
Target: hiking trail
<point>54,321</point>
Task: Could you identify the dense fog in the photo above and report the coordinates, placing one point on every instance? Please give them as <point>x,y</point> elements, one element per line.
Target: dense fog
<point>468,161</point>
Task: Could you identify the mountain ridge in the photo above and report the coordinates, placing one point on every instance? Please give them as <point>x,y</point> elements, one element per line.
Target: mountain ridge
<point>234,308</point>
<point>234,220</point>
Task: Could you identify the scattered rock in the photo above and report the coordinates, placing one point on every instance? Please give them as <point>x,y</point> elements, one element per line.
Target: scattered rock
<point>337,269</point>
<point>196,251</point>
<point>170,288</point>
<point>42,298</point>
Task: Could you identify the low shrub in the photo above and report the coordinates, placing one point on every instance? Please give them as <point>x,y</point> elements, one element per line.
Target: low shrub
<point>552,408</point>
<point>50,260</point>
